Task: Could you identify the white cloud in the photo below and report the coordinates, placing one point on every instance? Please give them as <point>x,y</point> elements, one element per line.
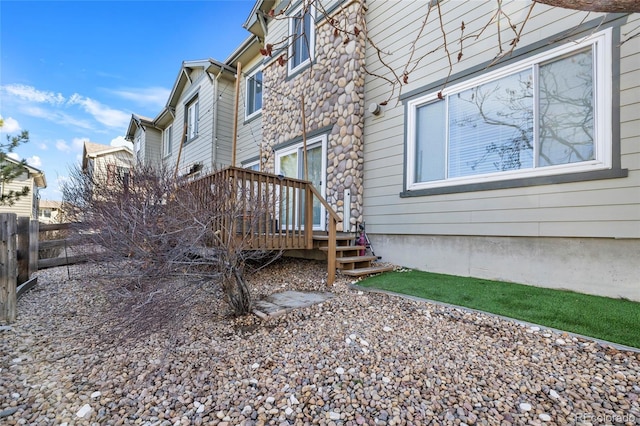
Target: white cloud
<point>76,145</point>
<point>34,161</point>
<point>151,96</point>
<point>43,146</point>
<point>121,141</point>
<point>57,117</point>
<point>108,116</point>
<point>31,94</point>
<point>10,125</point>
<point>13,155</point>
<point>36,111</point>
<point>63,146</point>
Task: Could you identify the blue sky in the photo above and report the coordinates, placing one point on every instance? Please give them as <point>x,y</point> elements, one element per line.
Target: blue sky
<point>72,71</point>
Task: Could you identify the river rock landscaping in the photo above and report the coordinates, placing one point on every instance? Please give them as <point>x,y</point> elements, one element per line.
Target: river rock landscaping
<point>357,359</point>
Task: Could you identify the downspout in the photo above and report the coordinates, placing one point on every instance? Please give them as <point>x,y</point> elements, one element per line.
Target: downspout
<point>214,145</point>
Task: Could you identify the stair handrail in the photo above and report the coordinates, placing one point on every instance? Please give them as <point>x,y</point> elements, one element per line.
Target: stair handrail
<point>333,225</point>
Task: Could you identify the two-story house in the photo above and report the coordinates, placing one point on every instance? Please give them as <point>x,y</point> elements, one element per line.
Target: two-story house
<point>33,180</point>
<point>192,134</point>
<point>474,138</point>
<point>465,157</point>
<point>107,164</point>
<point>50,211</point>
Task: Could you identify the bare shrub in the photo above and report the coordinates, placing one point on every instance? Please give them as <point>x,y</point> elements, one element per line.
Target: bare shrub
<point>148,226</point>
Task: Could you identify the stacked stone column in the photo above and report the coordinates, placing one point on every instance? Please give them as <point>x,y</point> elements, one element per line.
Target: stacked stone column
<point>333,90</point>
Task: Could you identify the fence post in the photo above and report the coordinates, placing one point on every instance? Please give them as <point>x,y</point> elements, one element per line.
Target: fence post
<point>34,244</point>
<point>8,267</point>
<point>23,250</point>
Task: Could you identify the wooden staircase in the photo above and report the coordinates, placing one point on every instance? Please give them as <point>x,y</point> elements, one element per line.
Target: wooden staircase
<point>349,260</point>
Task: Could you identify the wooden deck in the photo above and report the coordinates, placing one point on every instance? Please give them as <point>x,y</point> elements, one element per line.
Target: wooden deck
<point>270,212</point>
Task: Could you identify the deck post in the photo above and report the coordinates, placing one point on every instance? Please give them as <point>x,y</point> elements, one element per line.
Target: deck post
<point>331,253</point>
<point>308,216</point>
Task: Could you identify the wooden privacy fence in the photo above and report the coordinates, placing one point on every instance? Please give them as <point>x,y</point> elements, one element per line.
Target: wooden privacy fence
<point>9,265</point>
<point>18,260</point>
<point>61,244</point>
<point>20,248</point>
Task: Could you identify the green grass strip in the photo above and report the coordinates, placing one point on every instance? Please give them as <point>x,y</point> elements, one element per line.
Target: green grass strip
<point>614,320</point>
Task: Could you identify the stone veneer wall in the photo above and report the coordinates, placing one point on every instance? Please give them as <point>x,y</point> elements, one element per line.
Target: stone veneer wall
<point>333,89</point>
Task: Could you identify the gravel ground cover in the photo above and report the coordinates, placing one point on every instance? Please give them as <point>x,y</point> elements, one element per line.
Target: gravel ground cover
<point>359,358</point>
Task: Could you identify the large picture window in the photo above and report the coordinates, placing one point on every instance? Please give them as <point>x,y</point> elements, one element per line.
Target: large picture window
<point>254,94</point>
<point>545,115</point>
<point>302,37</point>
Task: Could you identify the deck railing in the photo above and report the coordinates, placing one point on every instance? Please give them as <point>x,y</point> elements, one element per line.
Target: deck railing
<point>268,212</point>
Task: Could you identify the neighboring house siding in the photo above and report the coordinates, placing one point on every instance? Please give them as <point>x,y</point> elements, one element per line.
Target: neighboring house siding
<point>23,207</point>
<point>139,145</point>
<point>197,150</point>
<point>249,131</point>
<point>531,234</point>
<point>224,130</point>
<point>153,147</point>
<point>102,163</point>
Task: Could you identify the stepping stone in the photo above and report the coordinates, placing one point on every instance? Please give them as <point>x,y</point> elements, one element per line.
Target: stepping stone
<point>280,303</point>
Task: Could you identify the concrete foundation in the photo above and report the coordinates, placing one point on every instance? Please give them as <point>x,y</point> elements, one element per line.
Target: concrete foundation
<point>604,267</point>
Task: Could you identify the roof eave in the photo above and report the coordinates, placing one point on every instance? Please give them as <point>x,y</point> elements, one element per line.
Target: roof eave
<point>251,45</point>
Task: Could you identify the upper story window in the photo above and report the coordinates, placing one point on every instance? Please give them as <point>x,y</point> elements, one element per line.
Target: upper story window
<point>192,117</point>
<point>548,114</point>
<point>254,94</point>
<point>302,36</point>
<point>166,140</point>
<point>137,147</point>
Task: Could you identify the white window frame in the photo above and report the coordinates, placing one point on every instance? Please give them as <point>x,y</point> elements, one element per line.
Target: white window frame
<point>167,135</point>
<point>253,165</point>
<point>294,23</point>
<point>250,103</point>
<point>318,141</point>
<point>137,147</point>
<point>192,113</point>
<point>601,43</point>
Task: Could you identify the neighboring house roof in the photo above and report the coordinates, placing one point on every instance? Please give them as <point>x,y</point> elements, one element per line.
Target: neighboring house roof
<point>93,150</point>
<point>164,118</point>
<point>48,204</point>
<point>209,65</point>
<point>137,121</point>
<point>37,174</point>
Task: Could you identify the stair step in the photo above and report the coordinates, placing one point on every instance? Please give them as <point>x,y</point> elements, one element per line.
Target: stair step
<point>376,269</point>
<point>344,248</point>
<point>341,237</point>
<point>354,259</point>
<point>320,241</point>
